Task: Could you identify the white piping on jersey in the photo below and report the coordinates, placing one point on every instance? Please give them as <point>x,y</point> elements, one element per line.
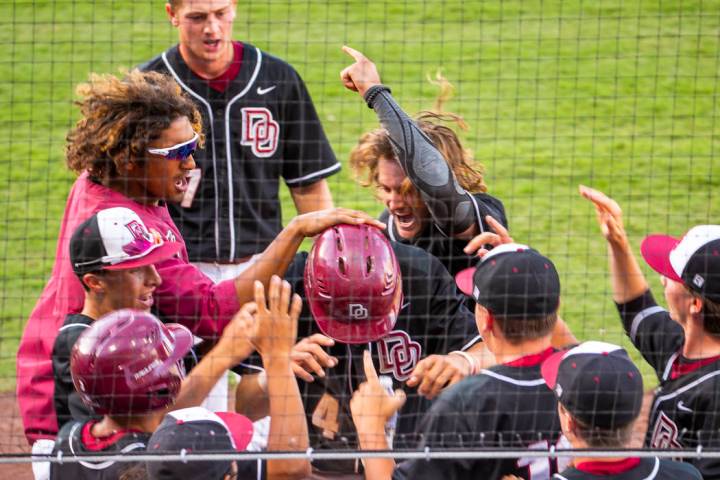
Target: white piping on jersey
<point>642,316</point>
<point>252,367</point>
<point>331,168</point>
<point>477,212</point>
<point>652,475</point>
<point>520,383</point>
<point>668,366</point>
<point>228,152</point>
<point>682,390</point>
<point>70,325</point>
<point>103,465</point>
<point>476,339</point>
<point>212,142</point>
<point>390,226</point>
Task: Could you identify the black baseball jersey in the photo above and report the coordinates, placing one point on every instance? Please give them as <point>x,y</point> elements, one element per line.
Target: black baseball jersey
<point>631,469</point>
<point>68,404</point>
<point>449,249</point>
<point>263,126</point>
<point>75,439</point>
<point>507,406</point>
<point>433,320</point>
<point>685,412</point>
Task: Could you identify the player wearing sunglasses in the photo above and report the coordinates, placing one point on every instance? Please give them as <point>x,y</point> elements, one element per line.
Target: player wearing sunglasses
<point>133,148</point>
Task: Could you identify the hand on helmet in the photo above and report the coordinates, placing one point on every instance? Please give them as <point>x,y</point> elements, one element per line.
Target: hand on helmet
<point>314,223</point>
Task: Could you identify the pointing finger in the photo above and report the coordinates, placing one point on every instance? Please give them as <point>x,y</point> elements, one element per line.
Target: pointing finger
<point>370,372</point>
<point>353,53</point>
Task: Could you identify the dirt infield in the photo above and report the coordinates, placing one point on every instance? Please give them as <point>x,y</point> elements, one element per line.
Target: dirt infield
<point>12,439</point>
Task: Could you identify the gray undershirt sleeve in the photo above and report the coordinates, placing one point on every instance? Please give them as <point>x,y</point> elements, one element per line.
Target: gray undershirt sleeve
<point>449,204</point>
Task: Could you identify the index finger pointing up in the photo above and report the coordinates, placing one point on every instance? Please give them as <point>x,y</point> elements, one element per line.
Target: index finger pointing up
<point>370,372</point>
<point>353,53</point>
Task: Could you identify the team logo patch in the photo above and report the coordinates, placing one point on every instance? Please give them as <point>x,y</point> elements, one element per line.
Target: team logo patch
<point>259,131</point>
<point>142,240</point>
<point>398,354</point>
<point>665,433</point>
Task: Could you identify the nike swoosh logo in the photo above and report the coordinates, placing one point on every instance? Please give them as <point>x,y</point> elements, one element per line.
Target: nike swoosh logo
<point>263,91</point>
<point>681,406</point>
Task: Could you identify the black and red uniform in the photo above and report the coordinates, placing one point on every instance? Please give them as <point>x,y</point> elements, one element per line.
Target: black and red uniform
<point>685,412</point>
<point>260,124</point>
<point>75,439</point>
<point>631,469</point>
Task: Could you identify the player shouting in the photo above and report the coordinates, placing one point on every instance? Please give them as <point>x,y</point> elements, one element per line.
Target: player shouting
<point>682,343</point>
<point>434,197</point>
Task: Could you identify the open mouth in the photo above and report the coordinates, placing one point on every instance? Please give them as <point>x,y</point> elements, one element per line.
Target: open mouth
<point>146,300</point>
<point>211,44</point>
<point>181,184</point>
<point>405,221</point>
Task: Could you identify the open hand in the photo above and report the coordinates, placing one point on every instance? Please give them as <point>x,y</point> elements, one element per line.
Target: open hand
<point>314,223</point>
<point>276,319</point>
<point>432,374</point>
<point>498,236</point>
<point>308,356</point>
<point>609,216</point>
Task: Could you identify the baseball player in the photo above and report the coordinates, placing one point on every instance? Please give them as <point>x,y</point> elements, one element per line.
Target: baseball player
<point>117,271</point>
<point>144,164</point>
<point>434,197</point>
<point>364,292</point>
<point>260,125</point>
<point>680,343</point>
<point>599,391</point>
<point>517,291</point>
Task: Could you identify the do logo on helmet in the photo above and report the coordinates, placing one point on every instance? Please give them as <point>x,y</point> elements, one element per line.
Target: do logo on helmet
<point>357,311</point>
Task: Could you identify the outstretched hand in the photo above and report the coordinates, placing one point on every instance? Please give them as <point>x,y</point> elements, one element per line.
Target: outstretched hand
<point>498,236</point>
<point>371,405</point>
<point>276,318</point>
<point>609,216</point>
<point>361,75</point>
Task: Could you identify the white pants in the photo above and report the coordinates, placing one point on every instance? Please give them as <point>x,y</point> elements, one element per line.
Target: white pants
<point>217,400</point>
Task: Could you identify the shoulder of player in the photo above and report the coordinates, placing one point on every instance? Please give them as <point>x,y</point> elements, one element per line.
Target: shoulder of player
<point>415,261</point>
<point>274,64</point>
<point>156,64</point>
<point>671,469</point>
<point>72,328</point>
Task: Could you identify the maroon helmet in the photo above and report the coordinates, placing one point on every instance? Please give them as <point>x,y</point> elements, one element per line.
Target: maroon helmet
<point>128,362</point>
<point>353,284</point>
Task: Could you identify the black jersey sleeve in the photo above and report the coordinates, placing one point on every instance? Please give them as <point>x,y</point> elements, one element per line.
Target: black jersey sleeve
<point>307,156</point>
<point>68,405</point>
<point>452,324</point>
<point>489,205</point>
<point>651,330</point>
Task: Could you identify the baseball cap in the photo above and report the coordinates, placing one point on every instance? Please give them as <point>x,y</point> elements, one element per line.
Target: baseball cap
<point>196,430</point>
<point>597,383</point>
<point>117,239</point>
<point>693,260</point>
<point>513,280</point>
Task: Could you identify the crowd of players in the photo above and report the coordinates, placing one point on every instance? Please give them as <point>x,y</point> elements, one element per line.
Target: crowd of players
<point>173,269</point>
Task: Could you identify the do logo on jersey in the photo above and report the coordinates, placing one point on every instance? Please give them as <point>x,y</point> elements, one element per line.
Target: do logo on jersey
<point>398,354</point>
<point>665,433</point>
<point>260,131</point>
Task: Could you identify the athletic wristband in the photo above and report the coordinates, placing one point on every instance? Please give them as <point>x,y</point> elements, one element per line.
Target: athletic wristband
<point>469,358</point>
<point>373,92</point>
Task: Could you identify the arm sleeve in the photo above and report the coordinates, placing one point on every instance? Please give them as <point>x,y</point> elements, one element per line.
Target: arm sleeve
<point>450,205</point>
<point>651,330</point>
<point>188,296</point>
<point>307,155</point>
<point>453,324</point>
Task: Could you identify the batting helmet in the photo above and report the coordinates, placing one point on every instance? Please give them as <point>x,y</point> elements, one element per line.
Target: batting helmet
<point>128,362</point>
<point>353,284</point>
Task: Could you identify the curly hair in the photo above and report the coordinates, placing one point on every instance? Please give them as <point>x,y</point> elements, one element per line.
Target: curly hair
<point>120,118</point>
<point>376,144</point>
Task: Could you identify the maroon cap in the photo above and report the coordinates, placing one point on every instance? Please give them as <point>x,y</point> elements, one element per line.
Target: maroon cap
<point>128,362</point>
<point>353,283</point>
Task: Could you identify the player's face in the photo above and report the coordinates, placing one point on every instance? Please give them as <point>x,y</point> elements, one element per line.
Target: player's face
<point>409,210</point>
<point>164,178</point>
<point>678,299</point>
<point>205,29</point>
<point>132,288</point>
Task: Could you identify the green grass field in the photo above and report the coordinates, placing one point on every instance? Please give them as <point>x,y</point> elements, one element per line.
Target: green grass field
<point>619,95</point>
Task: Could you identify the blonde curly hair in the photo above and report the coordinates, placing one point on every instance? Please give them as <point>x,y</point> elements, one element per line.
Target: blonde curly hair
<point>120,118</point>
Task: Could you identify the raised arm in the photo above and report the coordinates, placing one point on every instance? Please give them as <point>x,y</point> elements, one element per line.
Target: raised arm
<point>449,204</point>
<point>628,281</point>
